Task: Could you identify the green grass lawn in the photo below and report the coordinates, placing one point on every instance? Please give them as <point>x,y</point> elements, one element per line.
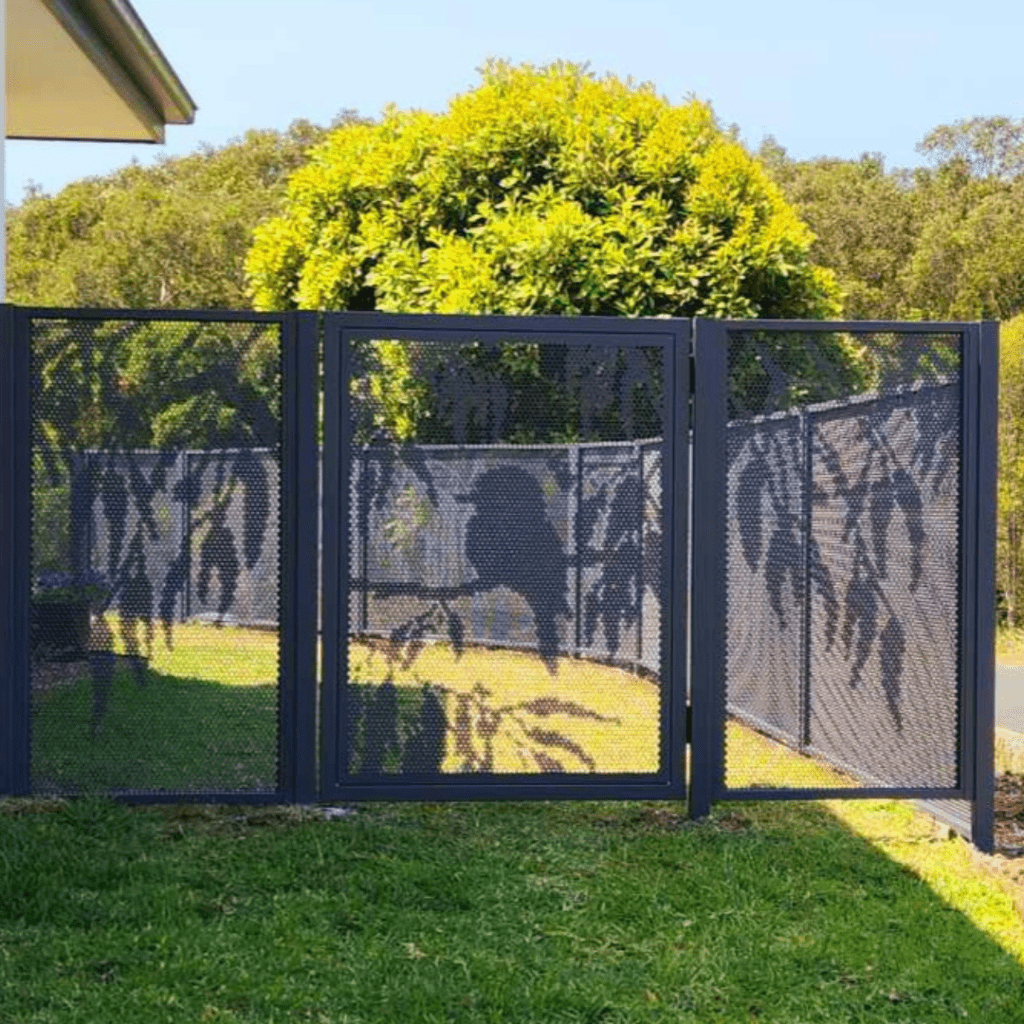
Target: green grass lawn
<point>485,912</point>
<point>207,716</point>
<point>206,719</point>
<point>618,912</point>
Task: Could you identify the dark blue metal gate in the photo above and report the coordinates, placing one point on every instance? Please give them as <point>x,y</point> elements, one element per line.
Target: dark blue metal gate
<point>844,498</point>
<point>504,557</point>
<point>504,599</point>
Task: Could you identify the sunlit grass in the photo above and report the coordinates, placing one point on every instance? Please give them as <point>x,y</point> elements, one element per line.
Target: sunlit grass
<point>976,885</point>
<point>754,760</point>
<point>610,714</point>
<point>1010,646</point>
<point>230,655</point>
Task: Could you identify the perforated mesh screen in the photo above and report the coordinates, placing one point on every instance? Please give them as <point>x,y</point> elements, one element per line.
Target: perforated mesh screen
<point>156,550</point>
<point>506,559</point>
<point>843,547</point>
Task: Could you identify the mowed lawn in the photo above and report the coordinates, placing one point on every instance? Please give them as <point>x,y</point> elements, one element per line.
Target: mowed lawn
<point>516,912</point>
<point>206,717</point>
<point>601,911</point>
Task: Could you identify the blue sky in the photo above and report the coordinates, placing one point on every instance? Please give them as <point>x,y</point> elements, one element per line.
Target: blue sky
<point>832,77</point>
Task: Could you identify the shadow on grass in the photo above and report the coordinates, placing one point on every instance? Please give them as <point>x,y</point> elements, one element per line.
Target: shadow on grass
<point>171,734</point>
<point>466,912</point>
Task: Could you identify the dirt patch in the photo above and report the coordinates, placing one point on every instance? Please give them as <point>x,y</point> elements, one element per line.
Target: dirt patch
<point>1009,816</point>
<point>53,675</point>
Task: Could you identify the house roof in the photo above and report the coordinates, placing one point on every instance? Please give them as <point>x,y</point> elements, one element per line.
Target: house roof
<point>89,70</point>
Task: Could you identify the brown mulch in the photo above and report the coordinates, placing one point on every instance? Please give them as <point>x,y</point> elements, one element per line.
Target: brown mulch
<point>1009,803</point>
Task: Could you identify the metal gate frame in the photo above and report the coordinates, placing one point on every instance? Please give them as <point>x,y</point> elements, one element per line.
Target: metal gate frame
<point>696,382</point>
<point>298,524</point>
<point>673,337</point>
<point>979,396</point>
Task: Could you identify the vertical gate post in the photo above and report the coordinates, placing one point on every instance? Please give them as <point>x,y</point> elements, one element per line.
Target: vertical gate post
<point>677,519</point>
<point>576,458</point>
<point>710,389</point>
<point>298,584</point>
<point>982,655</point>
<point>15,550</point>
<point>334,588</point>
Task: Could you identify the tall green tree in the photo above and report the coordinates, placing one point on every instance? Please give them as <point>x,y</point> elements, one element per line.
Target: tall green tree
<point>968,260</point>
<point>941,242</point>
<point>172,235</point>
<point>989,147</point>
<point>1010,534</point>
<point>543,190</point>
<point>864,220</point>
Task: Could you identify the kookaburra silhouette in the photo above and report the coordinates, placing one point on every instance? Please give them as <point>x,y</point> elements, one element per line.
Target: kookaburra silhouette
<point>511,543</point>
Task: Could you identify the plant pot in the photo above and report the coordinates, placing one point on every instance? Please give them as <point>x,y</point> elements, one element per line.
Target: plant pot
<point>60,630</point>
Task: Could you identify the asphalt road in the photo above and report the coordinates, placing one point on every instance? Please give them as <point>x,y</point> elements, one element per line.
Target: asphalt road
<point>1010,697</point>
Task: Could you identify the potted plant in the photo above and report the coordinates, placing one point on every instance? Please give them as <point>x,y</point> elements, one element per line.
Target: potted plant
<point>62,603</point>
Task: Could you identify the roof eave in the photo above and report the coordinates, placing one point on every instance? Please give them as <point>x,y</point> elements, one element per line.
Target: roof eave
<point>115,40</point>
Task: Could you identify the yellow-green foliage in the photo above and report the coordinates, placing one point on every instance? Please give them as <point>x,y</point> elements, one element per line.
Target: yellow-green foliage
<point>541,191</point>
<point>1010,571</point>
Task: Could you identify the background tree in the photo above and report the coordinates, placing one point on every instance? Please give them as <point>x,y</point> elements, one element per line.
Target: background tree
<point>864,220</point>
<point>172,235</point>
<point>942,242</point>
<point>1010,537</point>
<point>968,262</point>
<point>990,147</point>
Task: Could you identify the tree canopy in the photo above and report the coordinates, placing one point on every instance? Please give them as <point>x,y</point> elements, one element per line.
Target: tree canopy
<point>543,190</point>
<point>1010,535</point>
<point>172,235</point>
<point>935,243</point>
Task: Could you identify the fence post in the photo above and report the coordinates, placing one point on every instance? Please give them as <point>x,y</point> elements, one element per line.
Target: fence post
<point>806,432</point>
<point>79,509</point>
<point>638,662</point>
<point>710,389</point>
<point>577,530</point>
<point>182,541</point>
<point>363,506</point>
<point>985,451</point>
<point>186,532</point>
<point>334,573</point>
<point>298,566</point>
<point>15,550</point>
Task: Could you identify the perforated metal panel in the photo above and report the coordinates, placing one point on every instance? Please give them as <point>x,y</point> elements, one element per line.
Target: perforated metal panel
<point>502,526</point>
<point>843,560</point>
<point>146,554</point>
<point>505,557</point>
